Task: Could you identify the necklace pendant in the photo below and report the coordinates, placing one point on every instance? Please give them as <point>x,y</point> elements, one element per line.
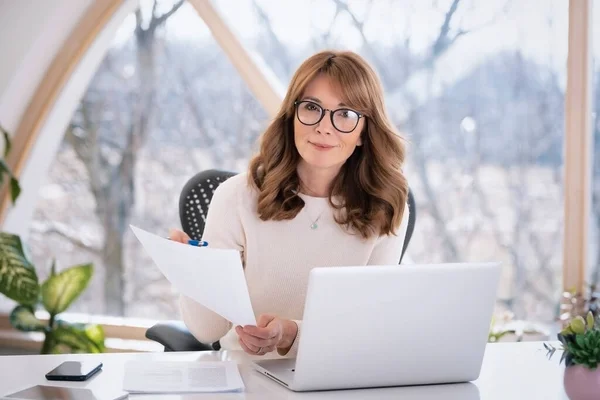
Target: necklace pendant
<point>314,226</point>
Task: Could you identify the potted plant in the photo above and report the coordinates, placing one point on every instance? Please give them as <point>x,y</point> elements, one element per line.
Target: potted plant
<point>580,342</point>
<point>19,282</point>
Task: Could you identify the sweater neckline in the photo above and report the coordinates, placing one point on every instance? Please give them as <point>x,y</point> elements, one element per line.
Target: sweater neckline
<point>312,199</point>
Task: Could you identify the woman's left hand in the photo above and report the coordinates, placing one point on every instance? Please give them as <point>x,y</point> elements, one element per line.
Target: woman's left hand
<point>270,332</point>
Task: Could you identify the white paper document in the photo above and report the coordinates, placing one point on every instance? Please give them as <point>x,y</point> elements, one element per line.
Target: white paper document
<point>213,277</point>
<point>181,377</point>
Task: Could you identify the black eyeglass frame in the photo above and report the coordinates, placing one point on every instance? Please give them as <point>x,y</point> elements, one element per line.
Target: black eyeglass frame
<point>323,112</point>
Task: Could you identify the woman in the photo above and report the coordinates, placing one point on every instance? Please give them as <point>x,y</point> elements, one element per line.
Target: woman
<point>326,189</point>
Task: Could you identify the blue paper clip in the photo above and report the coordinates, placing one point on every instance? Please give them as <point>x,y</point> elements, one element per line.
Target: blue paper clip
<point>198,243</point>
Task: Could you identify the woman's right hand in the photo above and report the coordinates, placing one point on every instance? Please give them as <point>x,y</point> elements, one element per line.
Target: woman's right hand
<point>178,236</point>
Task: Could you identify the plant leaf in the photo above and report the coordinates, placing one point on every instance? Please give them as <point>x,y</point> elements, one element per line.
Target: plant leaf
<point>590,320</point>
<point>53,267</point>
<point>15,188</point>
<point>577,324</point>
<point>59,291</point>
<point>70,337</point>
<point>3,171</point>
<point>23,318</point>
<point>4,168</point>
<point>95,334</point>
<point>18,279</point>
<point>7,141</point>
<point>562,358</point>
<point>569,360</point>
<point>79,338</point>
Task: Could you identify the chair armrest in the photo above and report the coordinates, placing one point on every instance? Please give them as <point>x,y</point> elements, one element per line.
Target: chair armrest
<point>175,336</point>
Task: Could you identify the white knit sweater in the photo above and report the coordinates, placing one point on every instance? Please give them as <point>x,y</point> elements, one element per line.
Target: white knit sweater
<point>278,255</point>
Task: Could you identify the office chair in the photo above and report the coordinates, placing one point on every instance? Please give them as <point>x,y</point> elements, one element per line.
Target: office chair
<point>194,202</point>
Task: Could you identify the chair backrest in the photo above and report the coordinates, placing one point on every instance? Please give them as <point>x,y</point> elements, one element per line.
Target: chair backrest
<point>197,193</point>
<point>412,217</point>
<point>195,198</point>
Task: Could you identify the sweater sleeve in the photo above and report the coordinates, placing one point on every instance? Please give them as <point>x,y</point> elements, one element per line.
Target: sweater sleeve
<point>388,248</point>
<point>293,351</point>
<point>223,229</point>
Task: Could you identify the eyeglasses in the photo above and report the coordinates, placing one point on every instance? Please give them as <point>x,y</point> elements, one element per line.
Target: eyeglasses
<point>310,113</point>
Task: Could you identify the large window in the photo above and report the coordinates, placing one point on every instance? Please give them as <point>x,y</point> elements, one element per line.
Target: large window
<point>478,90</point>
<point>164,104</point>
<point>476,87</point>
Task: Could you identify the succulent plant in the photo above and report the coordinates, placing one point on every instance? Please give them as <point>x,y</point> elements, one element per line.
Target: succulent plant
<point>580,341</point>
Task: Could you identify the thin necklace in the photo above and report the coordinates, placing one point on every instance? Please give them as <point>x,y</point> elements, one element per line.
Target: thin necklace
<point>313,224</point>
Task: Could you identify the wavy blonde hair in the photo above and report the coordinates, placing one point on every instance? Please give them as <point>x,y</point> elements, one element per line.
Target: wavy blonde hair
<point>370,190</point>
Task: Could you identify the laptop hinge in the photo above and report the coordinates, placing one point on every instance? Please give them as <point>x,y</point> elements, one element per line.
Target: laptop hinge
<point>276,378</point>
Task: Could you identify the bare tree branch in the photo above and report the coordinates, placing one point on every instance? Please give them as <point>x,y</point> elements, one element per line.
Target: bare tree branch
<point>439,46</point>
<point>360,27</point>
<point>369,9</point>
<point>441,43</point>
<point>139,20</point>
<point>324,39</point>
<point>445,40</point>
<point>157,21</point>
<point>65,232</point>
<point>153,12</point>
<point>282,54</point>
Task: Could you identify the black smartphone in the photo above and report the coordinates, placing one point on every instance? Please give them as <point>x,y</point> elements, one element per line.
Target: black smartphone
<point>74,371</point>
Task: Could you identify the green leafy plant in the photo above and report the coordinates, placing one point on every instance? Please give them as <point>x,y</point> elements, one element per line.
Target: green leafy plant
<point>15,188</point>
<point>19,282</point>
<point>580,341</point>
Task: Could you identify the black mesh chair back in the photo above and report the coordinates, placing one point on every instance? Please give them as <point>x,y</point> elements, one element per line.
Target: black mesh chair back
<point>197,193</point>
<point>195,198</point>
<point>412,217</point>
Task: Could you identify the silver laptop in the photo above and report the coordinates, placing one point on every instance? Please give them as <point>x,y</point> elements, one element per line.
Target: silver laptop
<point>379,326</point>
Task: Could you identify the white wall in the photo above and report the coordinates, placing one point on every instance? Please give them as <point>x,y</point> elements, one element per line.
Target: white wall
<point>32,32</point>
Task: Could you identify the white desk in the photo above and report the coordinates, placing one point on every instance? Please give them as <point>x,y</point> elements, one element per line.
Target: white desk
<point>510,371</point>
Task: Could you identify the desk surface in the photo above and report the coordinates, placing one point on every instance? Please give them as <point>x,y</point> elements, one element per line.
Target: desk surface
<point>509,371</point>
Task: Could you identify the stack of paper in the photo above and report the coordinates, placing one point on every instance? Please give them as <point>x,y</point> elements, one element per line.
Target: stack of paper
<point>182,377</point>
